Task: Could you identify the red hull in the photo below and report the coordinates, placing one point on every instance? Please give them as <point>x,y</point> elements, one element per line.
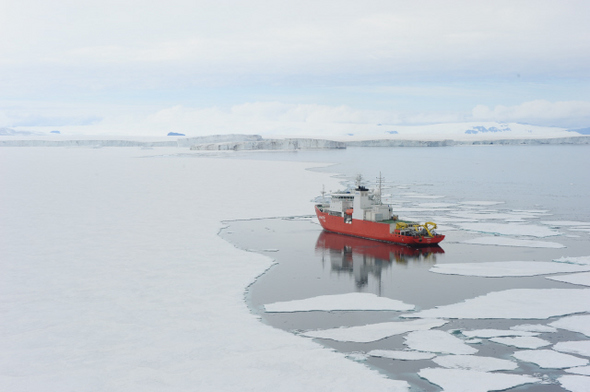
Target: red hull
<point>372,230</point>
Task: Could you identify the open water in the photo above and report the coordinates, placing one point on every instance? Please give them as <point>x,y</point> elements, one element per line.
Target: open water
<point>545,183</point>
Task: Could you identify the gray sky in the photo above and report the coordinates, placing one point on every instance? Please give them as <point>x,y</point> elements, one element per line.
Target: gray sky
<point>202,67</point>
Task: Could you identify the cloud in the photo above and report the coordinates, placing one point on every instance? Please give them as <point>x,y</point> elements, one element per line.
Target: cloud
<point>565,114</point>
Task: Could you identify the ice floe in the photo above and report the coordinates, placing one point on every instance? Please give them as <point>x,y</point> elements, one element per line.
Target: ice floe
<point>495,333</point>
<point>510,229</point>
<point>504,241</point>
<point>493,215</point>
<point>437,342</point>
<point>373,332</point>
<point>579,370</point>
<point>460,380</point>
<point>579,347</point>
<point>339,302</point>
<point>435,205</point>
<point>577,323</point>
<point>474,362</point>
<point>575,383</point>
<point>522,342</point>
<point>516,304</point>
<point>565,223</point>
<point>549,359</point>
<point>481,203</point>
<point>582,279</point>
<point>507,268</point>
<point>582,260</point>
<point>533,328</point>
<point>401,355</point>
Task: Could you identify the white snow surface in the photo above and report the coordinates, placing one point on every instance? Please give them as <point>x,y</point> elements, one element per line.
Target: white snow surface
<point>549,359</point>
<point>437,341</point>
<point>348,301</point>
<point>575,383</point>
<point>474,362</point>
<point>507,268</point>
<point>510,229</point>
<point>516,304</point>
<point>372,332</point>
<point>114,277</point>
<point>578,347</point>
<point>522,342</point>
<point>461,380</point>
<point>577,323</point>
<point>505,241</point>
<point>579,279</point>
<point>401,355</point>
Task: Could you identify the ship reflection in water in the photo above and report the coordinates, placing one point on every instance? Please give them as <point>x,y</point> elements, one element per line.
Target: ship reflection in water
<point>360,257</point>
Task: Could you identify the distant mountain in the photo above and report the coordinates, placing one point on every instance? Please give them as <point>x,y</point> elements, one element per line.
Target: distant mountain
<point>12,132</point>
<point>581,131</point>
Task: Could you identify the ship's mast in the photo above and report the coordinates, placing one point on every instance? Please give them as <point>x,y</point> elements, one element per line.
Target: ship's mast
<point>379,188</point>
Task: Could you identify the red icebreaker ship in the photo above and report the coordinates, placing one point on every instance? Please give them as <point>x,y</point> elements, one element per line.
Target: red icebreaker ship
<point>361,214</point>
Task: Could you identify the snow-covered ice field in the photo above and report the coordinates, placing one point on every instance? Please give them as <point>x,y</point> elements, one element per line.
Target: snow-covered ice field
<point>114,277</point>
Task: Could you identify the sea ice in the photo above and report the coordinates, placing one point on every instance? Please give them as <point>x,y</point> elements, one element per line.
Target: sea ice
<point>522,342</point>
<point>579,279</point>
<point>339,302</point>
<point>503,241</point>
<point>585,370</point>
<point>114,277</point>
<point>549,359</point>
<point>516,304</point>
<point>582,260</point>
<point>481,203</point>
<point>577,323</point>
<point>373,332</point>
<point>578,347</point>
<point>401,355</point>
<point>436,341</point>
<point>575,383</point>
<point>460,380</point>
<point>495,333</point>
<point>506,268</point>
<point>510,229</point>
<point>474,362</point>
<point>533,328</point>
<point>565,223</point>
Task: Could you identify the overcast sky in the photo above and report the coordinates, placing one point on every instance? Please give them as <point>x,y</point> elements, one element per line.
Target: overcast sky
<point>202,67</point>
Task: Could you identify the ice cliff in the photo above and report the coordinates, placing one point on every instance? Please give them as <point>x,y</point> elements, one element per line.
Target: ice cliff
<point>272,144</point>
